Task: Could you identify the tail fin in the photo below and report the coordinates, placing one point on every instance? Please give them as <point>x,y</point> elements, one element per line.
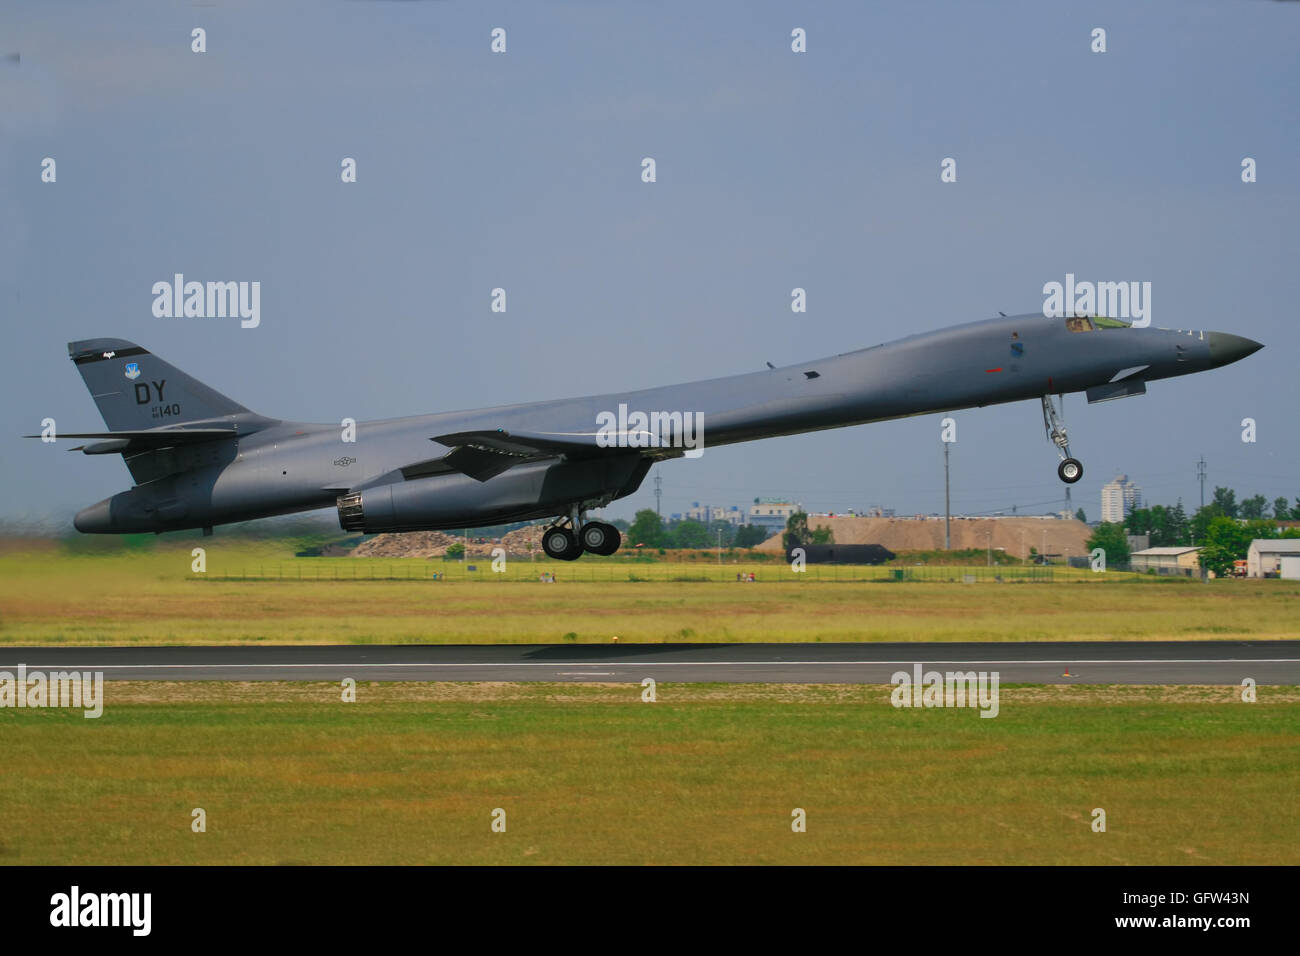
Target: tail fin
<point>135,389</point>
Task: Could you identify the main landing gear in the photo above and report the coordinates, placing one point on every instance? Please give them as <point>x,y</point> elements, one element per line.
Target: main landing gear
<point>1070,469</point>
<point>561,542</point>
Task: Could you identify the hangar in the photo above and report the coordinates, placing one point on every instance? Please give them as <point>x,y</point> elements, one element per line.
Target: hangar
<point>1265,557</point>
<point>1184,561</point>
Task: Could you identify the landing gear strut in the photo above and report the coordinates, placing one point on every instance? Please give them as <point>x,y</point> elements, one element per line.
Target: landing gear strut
<point>1070,469</point>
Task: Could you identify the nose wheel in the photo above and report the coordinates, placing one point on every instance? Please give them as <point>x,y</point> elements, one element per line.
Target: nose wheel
<point>1070,469</point>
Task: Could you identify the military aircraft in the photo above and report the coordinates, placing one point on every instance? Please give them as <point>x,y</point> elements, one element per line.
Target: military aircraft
<point>200,459</point>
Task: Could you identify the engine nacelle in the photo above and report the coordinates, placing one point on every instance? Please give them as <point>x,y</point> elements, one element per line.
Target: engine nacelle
<point>535,490</point>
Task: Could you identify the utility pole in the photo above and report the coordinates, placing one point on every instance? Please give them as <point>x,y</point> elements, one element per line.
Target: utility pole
<point>659,480</point>
<point>1200,474</point>
<point>947,506</point>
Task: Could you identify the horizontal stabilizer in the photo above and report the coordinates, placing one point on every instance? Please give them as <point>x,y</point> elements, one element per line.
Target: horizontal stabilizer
<point>153,437</point>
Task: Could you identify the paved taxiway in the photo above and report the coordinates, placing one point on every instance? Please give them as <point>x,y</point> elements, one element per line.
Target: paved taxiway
<point>1093,662</point>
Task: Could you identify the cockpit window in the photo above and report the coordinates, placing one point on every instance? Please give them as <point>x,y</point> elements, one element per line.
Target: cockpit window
<point>1079,323</point>
<point>1102,322</point>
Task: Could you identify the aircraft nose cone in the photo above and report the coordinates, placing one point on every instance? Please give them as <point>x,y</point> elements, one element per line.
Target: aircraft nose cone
<point>1226,348</point>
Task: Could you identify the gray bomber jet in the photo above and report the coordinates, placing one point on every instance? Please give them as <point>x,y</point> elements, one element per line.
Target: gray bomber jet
<point>200,459</point>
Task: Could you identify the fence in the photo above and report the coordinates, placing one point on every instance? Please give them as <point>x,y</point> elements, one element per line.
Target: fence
<point>434,572</point>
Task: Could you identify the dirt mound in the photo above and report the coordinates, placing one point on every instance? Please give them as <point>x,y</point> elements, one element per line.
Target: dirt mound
<point>409,544</point>
<point>524,540</point>
<point>434,544</point>
<point>1015,535</point>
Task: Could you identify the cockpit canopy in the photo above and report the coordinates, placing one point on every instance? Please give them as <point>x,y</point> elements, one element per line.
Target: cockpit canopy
<point>1085,323</point>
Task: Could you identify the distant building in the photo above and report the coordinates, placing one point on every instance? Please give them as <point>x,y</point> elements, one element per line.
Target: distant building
<point>1119,498</point>
<point>1264,559</point>
<point>1185,561</point>
<point>772,513</point>
<point>1138,542</point>
<point>843,553</point>
<point>731,514</point>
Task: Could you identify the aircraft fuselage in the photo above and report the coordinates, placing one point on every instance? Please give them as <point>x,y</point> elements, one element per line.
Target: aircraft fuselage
<point>270,467</point>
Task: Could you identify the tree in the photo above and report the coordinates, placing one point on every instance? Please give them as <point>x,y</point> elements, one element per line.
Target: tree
<point>1226,499</point>
<point>1079,515</point>
<point>796,530</point>
<point>1179,527</point>
<point>691,534</point>
<point>1281,510</point>
<point>647,529</point>
<point>1139,521</point>
<point>823,535</point>
<point>1227,540</point>
<point>1199,526</point>
<point>1255,506</point>
<point>747,536</point>
<point>456,550</point>
<point>1166,526</point>
<point>728,532</point>
<point>1110,537</point>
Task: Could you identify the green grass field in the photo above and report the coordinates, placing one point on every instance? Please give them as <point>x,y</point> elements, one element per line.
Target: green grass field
<point>411,773</point>
<point>119,597</point>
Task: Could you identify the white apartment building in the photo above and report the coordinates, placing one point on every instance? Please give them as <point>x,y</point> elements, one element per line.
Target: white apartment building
<point>1118,498</point>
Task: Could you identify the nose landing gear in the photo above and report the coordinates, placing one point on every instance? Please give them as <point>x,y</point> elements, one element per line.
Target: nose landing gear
<point>1070,469</point>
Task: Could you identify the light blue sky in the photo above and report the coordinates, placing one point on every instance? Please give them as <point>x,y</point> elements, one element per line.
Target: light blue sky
<point>775,170</point>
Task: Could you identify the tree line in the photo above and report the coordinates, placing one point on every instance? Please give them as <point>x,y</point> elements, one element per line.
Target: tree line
<point>649,530</point>
<point>1223,529</point>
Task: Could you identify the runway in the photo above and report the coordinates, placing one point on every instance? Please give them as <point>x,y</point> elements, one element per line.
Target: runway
<point>1092,662</point>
